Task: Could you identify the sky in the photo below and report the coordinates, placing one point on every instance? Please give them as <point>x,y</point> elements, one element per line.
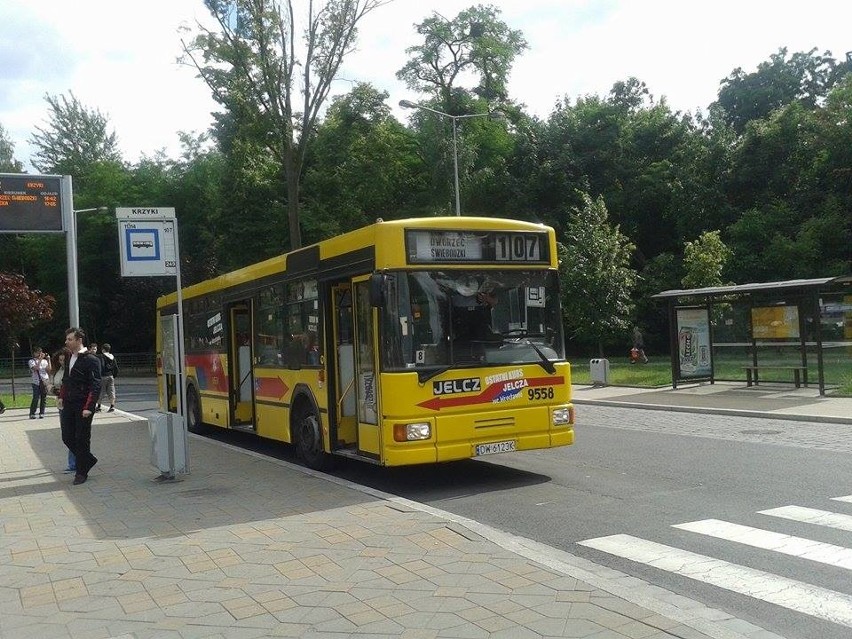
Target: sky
<point>120,57</point>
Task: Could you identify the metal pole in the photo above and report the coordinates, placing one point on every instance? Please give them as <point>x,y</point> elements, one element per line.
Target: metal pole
<point>180,350</point>
<point>456,166</point>
<point>70,220</point>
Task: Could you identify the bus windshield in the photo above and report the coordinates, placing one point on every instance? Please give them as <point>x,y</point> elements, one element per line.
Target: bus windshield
<point>437,319</point>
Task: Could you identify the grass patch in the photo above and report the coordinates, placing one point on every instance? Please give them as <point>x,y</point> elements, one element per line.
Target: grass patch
<point>657,372</point>
<point>22,400</point>
<point>653,374</point>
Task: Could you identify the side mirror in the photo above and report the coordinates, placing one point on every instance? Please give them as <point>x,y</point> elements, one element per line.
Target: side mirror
<point>377,290</point>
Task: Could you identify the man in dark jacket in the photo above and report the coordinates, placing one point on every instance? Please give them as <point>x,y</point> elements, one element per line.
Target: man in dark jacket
<point>81,388</point>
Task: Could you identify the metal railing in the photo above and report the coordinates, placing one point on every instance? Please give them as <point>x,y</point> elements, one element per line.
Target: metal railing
<point>128,364</point>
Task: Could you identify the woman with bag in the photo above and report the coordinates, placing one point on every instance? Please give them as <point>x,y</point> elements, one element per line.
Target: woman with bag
<point>40,377</point>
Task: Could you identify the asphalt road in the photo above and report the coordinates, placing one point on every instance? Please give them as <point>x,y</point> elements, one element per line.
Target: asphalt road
<point>623,478</point>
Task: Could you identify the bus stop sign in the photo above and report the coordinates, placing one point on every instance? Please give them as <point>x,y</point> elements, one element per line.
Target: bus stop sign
<point>146,238</point>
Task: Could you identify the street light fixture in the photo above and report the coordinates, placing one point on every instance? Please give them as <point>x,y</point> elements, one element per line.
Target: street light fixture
<point>71,258</point>
<point>496,115</point>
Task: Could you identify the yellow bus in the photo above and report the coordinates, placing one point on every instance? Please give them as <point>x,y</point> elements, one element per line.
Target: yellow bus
<point>404,342</point>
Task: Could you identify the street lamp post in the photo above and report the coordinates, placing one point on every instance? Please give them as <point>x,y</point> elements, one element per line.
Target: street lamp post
<point>71,258</point>
<point>406,104</point>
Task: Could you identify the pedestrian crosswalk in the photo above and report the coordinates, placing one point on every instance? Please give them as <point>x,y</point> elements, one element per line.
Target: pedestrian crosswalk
<point>768,540</point>
<point>812,516</point>
<point>799,596</point>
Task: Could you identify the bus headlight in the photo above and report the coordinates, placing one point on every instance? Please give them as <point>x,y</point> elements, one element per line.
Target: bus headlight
<point>562,416</point>
<point>412,432</point>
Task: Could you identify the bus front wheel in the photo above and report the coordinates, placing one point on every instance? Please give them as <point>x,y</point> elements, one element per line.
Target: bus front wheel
<point>309,440</point>
<point>193,411</point>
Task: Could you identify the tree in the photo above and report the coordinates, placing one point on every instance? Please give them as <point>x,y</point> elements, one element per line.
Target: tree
<point>362,165</point>
<point>647,162</point>
<point>21,308</point>
<point>74,139</point>
<point>805,77</point>
<point>475,43</point>
<point>252,67</point>
<point>704,260</point>
<point>597,280</point>
<point>790,183</point>
<point>8,163</point>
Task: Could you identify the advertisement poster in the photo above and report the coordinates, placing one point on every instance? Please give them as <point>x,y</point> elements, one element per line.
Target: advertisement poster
<point>775,322</point>
<point>693,342</point>
<point>168,342</point>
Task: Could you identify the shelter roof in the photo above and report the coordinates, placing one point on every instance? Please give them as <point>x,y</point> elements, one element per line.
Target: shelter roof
<point>756,287</point>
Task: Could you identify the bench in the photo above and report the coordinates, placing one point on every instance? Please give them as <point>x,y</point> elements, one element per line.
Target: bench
<point>799,372</point>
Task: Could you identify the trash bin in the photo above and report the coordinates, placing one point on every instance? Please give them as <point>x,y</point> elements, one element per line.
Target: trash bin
<point>599,370</point>
<point>168,452</point>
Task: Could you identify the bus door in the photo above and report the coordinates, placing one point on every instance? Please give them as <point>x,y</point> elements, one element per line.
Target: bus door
<point>240,357</point>
<point>357,386</point>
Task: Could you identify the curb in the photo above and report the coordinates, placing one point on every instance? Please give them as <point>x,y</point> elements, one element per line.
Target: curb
<point>734,412</point>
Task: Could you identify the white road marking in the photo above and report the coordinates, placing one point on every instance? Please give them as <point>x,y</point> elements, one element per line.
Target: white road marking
<point>785,544</point>
<point>791,594</point>
<point>811,516</point>
<point>848,498</point>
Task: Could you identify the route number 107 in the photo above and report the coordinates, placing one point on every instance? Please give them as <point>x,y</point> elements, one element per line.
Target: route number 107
<point>518,247</point>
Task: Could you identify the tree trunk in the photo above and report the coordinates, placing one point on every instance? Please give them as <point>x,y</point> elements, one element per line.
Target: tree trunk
<point>291,178</point>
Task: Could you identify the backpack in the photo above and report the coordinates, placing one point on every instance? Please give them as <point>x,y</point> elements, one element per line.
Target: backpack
<point>110,366</point>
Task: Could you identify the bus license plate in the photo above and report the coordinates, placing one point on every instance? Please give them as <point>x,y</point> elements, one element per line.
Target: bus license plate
<point>495,447</point>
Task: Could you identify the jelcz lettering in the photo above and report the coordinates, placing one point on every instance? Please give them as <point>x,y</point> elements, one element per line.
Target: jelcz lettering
<point>452,386</point>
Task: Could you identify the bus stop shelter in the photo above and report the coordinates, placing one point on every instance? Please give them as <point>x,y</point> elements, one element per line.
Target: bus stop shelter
<point>786,331</point>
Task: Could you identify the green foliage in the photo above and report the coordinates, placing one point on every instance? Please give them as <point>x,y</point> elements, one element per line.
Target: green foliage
<point>765,172</point>
<point>648,163</point>
<point>483,146</point>
<point>8,163</point>
<point>596,277</point>
<point>803,77</point>
<point>252,69</point>
<point>704,259</point>
<point>74,139</point>
<point>363,165</point>
<point>790,179</point>
<point>476,42</point>
<point>661,273</point>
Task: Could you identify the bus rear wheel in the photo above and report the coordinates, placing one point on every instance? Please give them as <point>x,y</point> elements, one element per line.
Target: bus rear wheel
<point>308,439</point>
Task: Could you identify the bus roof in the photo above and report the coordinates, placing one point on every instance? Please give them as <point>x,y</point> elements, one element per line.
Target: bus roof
<point>384,237</point>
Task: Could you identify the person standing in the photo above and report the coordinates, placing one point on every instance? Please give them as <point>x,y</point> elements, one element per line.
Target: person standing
<point>81,388</point>
<point>638,347</point>
<point>60,358</point>
<point>109,371</point>
<point>38,369</point>
<point>93,349</point>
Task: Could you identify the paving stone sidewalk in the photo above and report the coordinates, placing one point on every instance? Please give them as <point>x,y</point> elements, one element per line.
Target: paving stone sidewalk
<point>246,547</point>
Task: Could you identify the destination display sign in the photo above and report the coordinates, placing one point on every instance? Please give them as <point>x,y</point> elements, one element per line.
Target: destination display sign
<point>30,203</point>
<point>482,247</point>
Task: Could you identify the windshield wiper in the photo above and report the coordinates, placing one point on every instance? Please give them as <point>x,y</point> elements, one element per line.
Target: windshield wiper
<point>522,336</point>
<point>425,376</point>
<point>545,363</point>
